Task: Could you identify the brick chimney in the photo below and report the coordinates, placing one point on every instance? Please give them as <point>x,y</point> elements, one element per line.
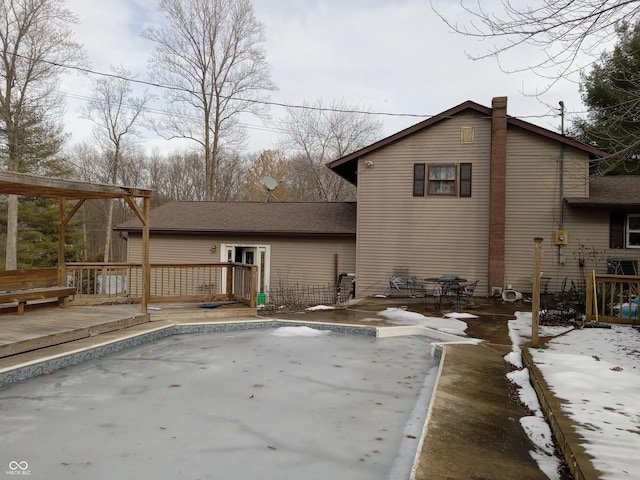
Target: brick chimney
<point>497,192</point>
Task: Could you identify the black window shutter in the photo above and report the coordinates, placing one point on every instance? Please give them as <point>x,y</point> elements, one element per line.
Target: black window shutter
<point>418,179</point>
<point>616,230</point>
<point>465,179</point>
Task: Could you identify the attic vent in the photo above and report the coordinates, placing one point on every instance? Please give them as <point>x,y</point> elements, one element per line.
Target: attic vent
<point>466,135</point>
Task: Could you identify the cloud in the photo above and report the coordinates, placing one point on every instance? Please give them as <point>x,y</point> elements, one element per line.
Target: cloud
<point>388,56</point>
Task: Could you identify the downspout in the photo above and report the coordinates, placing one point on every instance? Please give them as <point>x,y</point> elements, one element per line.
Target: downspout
<point>561,257</point>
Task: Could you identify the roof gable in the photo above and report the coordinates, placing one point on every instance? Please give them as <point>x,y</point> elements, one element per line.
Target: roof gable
<point>346,166</point>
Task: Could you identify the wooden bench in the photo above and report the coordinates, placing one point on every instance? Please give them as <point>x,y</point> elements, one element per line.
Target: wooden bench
<point>22,286</point>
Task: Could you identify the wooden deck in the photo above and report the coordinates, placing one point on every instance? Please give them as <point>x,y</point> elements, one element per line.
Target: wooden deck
<point>43,327</point>
<point>46,326</point>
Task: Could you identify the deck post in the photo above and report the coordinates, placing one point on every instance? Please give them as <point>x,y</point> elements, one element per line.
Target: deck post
<point>253,294</point>
<point>588,314</point>
<point>535,307</point>
<point>230,280</point>
<point>61,242</point>
<point>146,266</point>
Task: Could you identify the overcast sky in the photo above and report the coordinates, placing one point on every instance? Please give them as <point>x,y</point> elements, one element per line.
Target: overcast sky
<point>387,56</point>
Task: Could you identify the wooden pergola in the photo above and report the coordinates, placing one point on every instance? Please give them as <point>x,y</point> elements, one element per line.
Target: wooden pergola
<point>68,190</point>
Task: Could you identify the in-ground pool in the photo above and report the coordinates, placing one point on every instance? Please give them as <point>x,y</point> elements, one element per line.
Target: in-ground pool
<point>233,405</point>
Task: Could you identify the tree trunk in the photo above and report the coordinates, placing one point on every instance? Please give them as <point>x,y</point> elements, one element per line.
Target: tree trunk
<point>107,237</point>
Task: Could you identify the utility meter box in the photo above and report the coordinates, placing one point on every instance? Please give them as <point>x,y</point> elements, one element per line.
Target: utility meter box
<point>561,237</point>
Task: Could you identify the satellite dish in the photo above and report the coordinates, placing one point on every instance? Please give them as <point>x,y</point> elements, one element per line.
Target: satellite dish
<point>270,182</point>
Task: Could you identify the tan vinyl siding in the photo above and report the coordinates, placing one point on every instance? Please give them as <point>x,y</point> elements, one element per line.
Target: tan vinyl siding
<point>588,233</point>
<point>432,235</point>
<point>174,249</point>
<point>533,207</point>
<point>308,261</point>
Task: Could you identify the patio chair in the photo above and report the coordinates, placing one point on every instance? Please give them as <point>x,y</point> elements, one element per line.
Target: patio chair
<point>417,287</point>
<point>398,281</point>
<point>395,284</point>
<point>457,292</point>
<point>467,291</point>
<point>469,288</point>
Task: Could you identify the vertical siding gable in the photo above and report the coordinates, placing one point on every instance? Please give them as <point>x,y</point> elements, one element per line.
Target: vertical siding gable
<point>431,234</point>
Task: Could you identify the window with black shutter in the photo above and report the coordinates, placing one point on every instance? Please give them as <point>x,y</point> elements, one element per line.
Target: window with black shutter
<point>442,179</point>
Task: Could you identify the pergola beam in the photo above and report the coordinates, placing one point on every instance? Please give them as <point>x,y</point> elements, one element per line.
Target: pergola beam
<point>44,187</point>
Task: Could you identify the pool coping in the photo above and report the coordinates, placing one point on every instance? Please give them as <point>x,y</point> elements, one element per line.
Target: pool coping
<point>48,364</point>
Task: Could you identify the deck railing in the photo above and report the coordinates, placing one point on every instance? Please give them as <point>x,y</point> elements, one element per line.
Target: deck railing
<point>123,282</point>
<point>614,299</point>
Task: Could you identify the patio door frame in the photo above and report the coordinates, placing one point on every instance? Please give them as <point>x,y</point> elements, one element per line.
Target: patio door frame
<point>261,258</point>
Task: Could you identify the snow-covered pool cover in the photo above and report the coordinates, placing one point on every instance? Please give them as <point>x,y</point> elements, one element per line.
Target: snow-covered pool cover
<point>293,403</point>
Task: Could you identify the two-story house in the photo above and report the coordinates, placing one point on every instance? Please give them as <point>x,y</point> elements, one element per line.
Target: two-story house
<point>464,192</point>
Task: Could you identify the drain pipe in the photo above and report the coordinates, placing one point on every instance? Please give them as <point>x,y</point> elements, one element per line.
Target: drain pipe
<point>561,258</point>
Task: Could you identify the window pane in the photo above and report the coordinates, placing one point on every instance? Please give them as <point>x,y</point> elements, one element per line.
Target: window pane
<point>442,172</point>
<point>442,179</point>
<point>634,239</point>
<point>634,222</point>
<point>443,187</point>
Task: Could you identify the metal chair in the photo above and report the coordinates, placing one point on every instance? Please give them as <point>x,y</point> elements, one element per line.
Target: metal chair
<point>469,288</point>
<point>398,281</point>
<point>394,283</point>
<point>467,291</point>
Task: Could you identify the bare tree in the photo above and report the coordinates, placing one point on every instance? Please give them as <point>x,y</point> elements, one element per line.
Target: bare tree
<point>176,177</point>
<point>115,112</point>
<point>84,157</point>
<point>230,176</point>
<point>210,56</point>
<point>561,29</point>
<point>316,135</point>
<point>35,40</point>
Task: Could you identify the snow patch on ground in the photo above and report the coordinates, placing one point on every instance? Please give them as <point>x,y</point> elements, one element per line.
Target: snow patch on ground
<point>400,316</point>
<point>596,374</point>
<point>461,315</point>
<point>298,332</point>
<point>535,426</point>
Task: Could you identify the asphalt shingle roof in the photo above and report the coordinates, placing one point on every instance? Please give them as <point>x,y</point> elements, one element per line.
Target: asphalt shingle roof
<point>614,191</point>
<point>305,218</point>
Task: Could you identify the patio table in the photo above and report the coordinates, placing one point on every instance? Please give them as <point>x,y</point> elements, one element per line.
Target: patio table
<point>447,286</point>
